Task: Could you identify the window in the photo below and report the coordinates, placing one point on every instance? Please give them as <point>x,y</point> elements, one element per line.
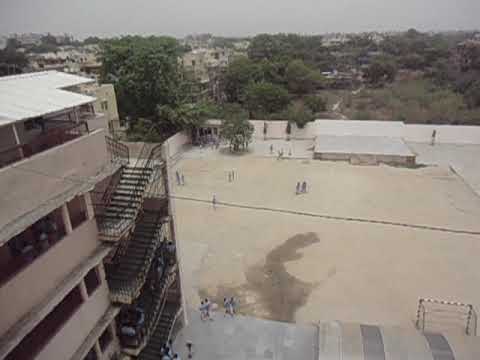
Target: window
<point>105,339</point>
<point>92,281</point>
<point>104,105</point>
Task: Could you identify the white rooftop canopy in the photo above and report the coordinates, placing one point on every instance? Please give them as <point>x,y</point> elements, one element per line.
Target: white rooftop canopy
<point>30,95</point>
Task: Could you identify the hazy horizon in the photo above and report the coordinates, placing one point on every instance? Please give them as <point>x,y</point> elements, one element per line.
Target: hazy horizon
<point>246,18</point>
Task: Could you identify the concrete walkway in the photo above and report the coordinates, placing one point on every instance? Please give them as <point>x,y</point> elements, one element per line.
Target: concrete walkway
<point>246,338</point>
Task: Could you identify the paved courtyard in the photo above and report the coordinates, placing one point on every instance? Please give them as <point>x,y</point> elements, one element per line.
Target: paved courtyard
<point>306,268</point>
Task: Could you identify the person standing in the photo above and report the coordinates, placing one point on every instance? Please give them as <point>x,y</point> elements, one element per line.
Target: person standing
<point>434,136</point>
<point>233,305</point>
<point>214,202</point>
<point>298,188</point>
<point>183,180</point>
<point>189,345</point>
<point>202,311</point>
<point>271,149</point>
<point>304,187</point>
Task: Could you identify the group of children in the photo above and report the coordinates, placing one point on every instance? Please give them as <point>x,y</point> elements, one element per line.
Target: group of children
<point>280,153</point>
<point>206,308</point>
<point>301,188</point>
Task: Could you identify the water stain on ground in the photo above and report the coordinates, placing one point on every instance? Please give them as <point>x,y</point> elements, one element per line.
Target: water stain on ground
<point>270,291</point>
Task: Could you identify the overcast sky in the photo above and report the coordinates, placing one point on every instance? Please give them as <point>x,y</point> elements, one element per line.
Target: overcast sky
<point>239,17</point>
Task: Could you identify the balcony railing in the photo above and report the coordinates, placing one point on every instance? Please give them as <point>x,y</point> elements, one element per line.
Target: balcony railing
<point>45,141</point>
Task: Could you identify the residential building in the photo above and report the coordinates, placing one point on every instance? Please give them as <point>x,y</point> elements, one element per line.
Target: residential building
<point>207,65</point>
<point>106,103</point>
<point>87,243</point>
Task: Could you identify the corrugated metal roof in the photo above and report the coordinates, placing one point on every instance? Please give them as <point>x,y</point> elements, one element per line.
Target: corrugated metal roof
<point>30,95</point>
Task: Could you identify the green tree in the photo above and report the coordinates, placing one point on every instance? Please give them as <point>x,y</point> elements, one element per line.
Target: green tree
<point>265,98</point>
<point>238,131</point>
<point>11,60</point>
<point>238,75</point>
<point>472,95</point>
<point>299,114</point>
<point>379,72</point>
<point>187,115</point>
<point>301,79</point>
<point>315,103</point>
<point>145,73</point>
<point>150,83</point>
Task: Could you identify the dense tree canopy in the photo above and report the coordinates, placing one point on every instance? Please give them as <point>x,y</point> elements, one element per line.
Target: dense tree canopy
<point>150,82</point>
<point>379,72</point>
<point>240,73</point>
<point>264,98</point>
<point>301,79</point>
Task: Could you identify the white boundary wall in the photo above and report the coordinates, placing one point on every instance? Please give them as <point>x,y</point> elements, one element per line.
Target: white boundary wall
<point>446,134</point>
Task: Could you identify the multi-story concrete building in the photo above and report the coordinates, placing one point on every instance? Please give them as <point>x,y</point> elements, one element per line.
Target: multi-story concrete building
<point>88,265</point>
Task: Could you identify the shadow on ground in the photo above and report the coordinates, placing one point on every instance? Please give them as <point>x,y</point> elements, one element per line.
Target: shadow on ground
<point>270,291</point>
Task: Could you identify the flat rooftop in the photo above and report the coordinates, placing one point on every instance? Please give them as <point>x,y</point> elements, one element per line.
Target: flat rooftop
<point>328,256</point>
<point>362,145</point>
<point>37,94</point>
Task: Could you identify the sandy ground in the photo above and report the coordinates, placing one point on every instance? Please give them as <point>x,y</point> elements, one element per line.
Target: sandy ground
<point>464,159</point>
<point>301,268</point>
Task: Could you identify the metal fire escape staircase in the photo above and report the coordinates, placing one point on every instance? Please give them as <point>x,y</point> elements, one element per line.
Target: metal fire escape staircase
<point>138,237</point>
<point>129,268</point>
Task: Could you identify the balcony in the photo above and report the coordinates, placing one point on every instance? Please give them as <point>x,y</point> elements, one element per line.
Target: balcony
<point>62,171</point>
<point>40,336</point>
<point>55,134</point>
<point>29,245</point>
<point>129,269</point>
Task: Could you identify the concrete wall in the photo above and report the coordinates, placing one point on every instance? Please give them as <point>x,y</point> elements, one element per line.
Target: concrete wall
<point>366,159</point>
<point>445,134</point>
<point>176,144</point>
<point>99,121</point>
<point>275,130</point>
<point>34,282</point>
<point>73,333</point>
<point>106,92</point>
<point>32,182</point>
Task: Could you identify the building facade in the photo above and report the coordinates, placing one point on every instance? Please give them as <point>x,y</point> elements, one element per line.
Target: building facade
<point>87,244</point>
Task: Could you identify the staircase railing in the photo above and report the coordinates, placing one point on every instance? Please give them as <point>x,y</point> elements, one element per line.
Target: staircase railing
<point>154,313</point>
<point>130,290</point>
<point>168,280</point>
<point>117,228</point>
<point>118,152</point>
